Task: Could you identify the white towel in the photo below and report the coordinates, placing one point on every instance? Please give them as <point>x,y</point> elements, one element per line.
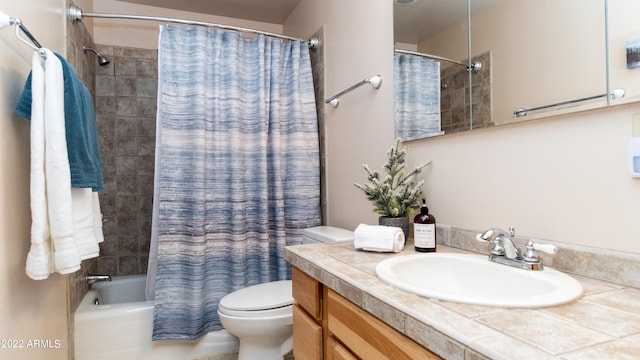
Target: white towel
<point>53,246</point>
<point>39,259</point>
<point>87,222</point>
<point>378,238</point>
<point>97,218</point>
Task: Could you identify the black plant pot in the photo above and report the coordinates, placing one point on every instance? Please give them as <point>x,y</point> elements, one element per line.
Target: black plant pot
<point>401,222</point>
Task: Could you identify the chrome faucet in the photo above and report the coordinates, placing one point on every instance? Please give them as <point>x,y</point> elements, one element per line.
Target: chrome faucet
<point>93,278</point>
<point>504,251</point>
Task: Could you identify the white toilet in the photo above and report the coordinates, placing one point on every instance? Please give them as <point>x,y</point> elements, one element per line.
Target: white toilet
<point>261,315</point>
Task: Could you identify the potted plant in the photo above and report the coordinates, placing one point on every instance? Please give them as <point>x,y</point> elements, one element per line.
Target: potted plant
<point>398,193</point>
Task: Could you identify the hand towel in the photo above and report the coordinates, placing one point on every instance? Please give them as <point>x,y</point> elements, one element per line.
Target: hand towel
<point>52,227</point>
<point>378,238</point>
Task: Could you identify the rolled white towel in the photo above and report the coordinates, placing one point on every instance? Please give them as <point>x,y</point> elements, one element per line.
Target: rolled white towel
<point>378,238</point>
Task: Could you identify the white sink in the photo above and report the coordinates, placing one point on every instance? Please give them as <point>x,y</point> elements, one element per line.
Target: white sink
<point>473,279</point>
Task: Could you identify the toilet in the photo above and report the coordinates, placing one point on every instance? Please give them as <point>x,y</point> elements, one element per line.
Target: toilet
<point>260,316</point>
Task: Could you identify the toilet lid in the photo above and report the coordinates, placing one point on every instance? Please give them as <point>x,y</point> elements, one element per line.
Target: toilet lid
<point>265,296</point>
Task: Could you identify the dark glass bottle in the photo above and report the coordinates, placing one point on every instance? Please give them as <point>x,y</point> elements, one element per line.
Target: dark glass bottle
<point>424,230</point>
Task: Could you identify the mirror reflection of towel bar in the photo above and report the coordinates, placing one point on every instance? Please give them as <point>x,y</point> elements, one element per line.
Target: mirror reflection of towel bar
<point>615,94</point>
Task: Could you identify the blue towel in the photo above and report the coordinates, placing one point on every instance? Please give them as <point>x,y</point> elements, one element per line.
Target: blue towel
<point>80,127</point>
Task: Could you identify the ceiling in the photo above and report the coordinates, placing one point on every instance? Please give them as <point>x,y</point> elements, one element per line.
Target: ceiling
<point>269,11</point>
<point>412,22</point>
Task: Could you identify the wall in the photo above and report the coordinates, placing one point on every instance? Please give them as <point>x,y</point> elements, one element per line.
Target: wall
<point>30,310</point>
<point>144,35</point>
<point>358,44</point>
<point>562,178</point>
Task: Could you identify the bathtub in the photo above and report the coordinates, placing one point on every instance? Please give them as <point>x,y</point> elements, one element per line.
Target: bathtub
<point>120,327</point>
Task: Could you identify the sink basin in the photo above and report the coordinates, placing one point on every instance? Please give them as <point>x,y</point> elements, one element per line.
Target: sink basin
<point>473,279</point>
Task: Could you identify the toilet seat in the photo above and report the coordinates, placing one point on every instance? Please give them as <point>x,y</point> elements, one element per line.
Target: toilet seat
<point>270,299</point>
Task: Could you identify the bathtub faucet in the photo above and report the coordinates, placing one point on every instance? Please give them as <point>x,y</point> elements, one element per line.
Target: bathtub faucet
<point>93,278</point>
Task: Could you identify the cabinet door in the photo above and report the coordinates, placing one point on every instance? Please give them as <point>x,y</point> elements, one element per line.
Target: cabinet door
<point>335,351</point>
<point>307,336</point>
<point>366,336</point>
<point>307,293</point>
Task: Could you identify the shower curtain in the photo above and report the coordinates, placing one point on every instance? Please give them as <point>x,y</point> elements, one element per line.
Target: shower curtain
<point>417,92</point>
<point>237,170</point>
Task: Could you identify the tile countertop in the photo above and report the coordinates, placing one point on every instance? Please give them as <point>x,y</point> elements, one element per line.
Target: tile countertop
<point>602,324</point>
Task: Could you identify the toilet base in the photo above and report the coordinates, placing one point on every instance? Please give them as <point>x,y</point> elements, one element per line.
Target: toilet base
<point>261,338</point>
<point>261,352</point>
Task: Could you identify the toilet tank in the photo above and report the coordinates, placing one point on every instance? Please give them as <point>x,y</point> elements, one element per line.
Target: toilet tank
<point>325,234</point>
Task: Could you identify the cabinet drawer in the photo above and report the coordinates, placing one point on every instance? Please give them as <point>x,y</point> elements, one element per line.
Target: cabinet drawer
<point>307,336</point>
<point>335,351</point>
<point>368,337</point>
<point>307,293</point>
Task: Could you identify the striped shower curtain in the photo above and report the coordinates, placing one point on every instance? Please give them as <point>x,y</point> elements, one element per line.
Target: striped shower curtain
<point>417,97</point>
<point>237,170</point>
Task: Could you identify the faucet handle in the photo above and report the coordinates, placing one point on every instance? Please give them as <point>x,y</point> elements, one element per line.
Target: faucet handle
<point>531,253</point>
<point>546,248</point>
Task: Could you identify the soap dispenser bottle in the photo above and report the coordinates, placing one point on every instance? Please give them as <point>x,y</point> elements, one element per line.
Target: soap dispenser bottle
<point>424,230</point>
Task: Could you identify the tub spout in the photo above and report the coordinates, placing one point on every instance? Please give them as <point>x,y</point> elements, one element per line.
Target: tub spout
<point>93,278</point>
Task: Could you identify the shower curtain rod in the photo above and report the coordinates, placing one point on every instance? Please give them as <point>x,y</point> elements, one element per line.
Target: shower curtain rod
<point>475,67</point>
<point>76,14</point>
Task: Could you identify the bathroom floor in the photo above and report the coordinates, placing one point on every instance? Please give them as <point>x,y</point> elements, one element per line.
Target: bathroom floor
<point>234,356</point>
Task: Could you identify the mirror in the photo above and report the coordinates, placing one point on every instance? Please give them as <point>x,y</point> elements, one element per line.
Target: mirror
<point>437,28</point>
<point>534,54</point>
<point>624,48</point>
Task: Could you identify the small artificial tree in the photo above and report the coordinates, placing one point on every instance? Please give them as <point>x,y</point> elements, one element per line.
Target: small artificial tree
<point>397,193</point>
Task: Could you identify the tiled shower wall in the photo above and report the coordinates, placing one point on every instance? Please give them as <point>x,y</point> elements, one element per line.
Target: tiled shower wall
<point>317,67</point>
<point>454,107</point>
<point>84,65</point>
<point>126,91</point>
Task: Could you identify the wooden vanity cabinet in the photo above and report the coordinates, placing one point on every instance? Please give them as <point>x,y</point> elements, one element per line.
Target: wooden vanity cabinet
<point>328,326</point>
<point>367,336</point>
<point>307,338</point>
<point>335,350</point>
<point>307,316</point>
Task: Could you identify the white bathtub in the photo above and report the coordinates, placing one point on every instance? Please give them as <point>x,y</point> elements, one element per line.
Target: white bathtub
<point>120,328</point>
